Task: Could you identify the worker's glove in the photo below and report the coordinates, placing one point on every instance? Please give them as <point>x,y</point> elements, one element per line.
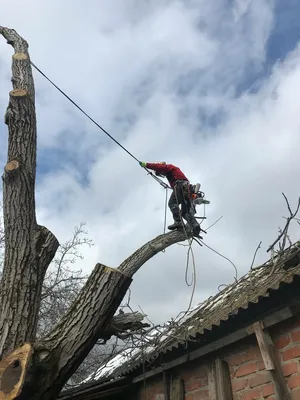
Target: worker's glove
<point>142,164</point>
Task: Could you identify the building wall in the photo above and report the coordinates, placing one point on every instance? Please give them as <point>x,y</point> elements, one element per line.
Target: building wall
<point>249,378</point>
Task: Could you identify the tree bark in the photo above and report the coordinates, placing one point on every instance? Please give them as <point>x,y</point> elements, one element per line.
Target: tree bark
<point>41,369</point>
<point>29,248</point>
<point>133,263</point>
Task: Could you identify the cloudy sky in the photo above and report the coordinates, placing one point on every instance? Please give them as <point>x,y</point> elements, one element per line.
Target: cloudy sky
<point>210,86</point>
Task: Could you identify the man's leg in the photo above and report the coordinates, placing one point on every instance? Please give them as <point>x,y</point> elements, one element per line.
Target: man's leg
<point>174,208</point>
<point>188,216</point>
<point>191,220</point>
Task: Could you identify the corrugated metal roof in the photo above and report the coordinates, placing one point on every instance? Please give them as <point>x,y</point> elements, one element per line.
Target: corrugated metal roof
<point>249,289</point>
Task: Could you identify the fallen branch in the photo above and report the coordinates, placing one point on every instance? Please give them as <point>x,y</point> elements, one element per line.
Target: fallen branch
<point>124,325</point>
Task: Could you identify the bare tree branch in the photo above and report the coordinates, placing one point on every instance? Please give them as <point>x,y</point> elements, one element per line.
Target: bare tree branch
<point>62,282</point>
<point>133,263</point>
<point>255,253</point>
<point>283,233</point>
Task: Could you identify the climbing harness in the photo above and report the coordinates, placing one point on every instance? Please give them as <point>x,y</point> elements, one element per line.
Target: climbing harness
<point>193,196</point>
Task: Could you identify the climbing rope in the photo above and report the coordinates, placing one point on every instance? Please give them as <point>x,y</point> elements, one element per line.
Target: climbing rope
<point>190,251</point>
<point>165,212</point>
<point>163,184</point>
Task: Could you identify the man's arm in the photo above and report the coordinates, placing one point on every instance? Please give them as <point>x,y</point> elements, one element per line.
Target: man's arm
<point>159,168</point>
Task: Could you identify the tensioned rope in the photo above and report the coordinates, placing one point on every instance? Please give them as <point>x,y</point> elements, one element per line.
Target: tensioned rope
<point>163,184</point>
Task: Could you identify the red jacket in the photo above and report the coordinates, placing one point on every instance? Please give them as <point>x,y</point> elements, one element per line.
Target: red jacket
<point>171,172</point>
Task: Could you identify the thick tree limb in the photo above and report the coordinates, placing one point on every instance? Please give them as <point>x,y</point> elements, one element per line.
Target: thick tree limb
<point>133,263</point>
<point>29,248</point>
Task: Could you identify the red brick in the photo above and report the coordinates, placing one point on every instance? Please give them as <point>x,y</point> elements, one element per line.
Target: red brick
<point>200,372</point>
<point>187,374</point>
<point>260,379</point>
<point>235,360</point>
<point>203,381</point>
<point>191,385</point>
<point>252,354</point>
<point>246,369</point>
<point>268,389</point>
<point>295,394</point>
<point>201,395</point>
<point>294,381</point>
<point>295,336</point>
<point>261,366</point>
<point>290,368</point>
<point>232,372</point>
<point>282,342</point>
<point>289,354</point>
<point>295,324</point>
<point>250,394</point>
<point>239,384</point>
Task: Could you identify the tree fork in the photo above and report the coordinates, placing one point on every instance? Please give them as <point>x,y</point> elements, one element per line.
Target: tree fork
<point>57,357</point>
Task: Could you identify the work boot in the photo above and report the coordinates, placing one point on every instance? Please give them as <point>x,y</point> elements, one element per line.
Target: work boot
<point>175,225</point>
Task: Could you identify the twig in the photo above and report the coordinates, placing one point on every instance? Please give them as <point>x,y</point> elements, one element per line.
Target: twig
<point>284,232</point>
<point>257,248</point>
<point>146,317</point>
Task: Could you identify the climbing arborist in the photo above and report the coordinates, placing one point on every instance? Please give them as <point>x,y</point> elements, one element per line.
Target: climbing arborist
<point>179,183</point>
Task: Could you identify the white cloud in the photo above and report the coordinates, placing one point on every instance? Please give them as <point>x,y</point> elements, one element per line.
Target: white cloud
<point>153,74</point>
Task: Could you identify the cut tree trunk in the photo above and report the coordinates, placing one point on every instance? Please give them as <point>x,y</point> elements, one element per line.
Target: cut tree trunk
<point>32,369</point>
<point>29,248</point>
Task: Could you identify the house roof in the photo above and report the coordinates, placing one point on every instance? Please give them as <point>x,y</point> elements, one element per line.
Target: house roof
<point>256,284</point>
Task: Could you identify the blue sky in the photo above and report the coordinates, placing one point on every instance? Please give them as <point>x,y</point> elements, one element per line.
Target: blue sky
<point>209,86</point>
<point>286,32</point>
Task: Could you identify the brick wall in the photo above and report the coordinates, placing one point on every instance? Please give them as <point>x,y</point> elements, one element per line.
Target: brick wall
<point>249,378</point>
<point>287,342</point>
<point>154,389</point>
<point>195,378</point>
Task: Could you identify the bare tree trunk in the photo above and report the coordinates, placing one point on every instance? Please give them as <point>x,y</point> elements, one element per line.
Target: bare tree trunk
<point>39,369</point>
<point>29,248</point>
